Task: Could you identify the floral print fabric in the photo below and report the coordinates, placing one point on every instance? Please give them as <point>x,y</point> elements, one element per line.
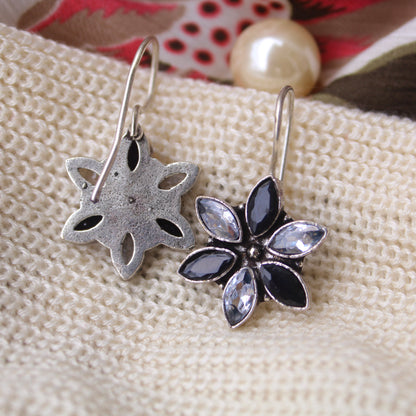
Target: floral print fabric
<point>197,36</point>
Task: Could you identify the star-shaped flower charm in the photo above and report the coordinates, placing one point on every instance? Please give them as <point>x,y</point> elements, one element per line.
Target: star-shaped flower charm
<point>138,208</point>
<point>255,252</point>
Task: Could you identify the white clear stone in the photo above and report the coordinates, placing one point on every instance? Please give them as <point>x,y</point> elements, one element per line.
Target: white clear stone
<point>218,219</point>
<point>297,238</point>
<point>239,296</point>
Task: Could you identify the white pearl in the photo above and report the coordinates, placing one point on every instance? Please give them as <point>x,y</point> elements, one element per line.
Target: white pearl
<point>273,53</point>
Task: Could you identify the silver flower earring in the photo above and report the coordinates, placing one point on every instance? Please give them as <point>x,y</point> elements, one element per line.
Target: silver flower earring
<point>256,250</point>
<point>132,207</point>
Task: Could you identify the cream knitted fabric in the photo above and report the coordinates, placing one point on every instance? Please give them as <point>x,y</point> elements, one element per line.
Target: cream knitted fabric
<point>77,340</point>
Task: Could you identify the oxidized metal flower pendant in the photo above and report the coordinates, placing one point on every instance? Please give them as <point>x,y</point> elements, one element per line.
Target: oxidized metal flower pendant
<point>131,202</point>
<point>138,208</point>
<point>255,252</point>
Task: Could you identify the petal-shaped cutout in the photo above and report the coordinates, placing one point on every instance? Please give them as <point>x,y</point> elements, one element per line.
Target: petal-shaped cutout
<point>127,256</point>
<point>127,249</point>
<point>185,174</point>
<point>89,175</point>
<point>207,264</point>
<point>240,297</point>
<point>82,227</point>
<point>169,227</point>
<point>133,157</point>
<point>284,285</point>
<point>82,169</point>
<point>219,219</point>
<point>174,231</point>
<point>263,206</point>
<point>171,181</point>
<point>296,239</point>
<point>88,223</point>
<point>131,153</point>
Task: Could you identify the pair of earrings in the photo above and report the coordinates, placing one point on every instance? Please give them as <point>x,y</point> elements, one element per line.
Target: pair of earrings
<point>255,251</point>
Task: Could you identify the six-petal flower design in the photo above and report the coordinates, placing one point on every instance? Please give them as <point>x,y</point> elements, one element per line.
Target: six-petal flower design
<point>255,251</point>
<point>138,209</point>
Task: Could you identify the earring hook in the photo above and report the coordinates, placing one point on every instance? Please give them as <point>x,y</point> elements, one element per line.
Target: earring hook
<point>286,91</point>
<point>137,109</point>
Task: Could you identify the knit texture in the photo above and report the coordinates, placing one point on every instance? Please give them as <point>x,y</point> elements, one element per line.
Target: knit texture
<point>77,340</point>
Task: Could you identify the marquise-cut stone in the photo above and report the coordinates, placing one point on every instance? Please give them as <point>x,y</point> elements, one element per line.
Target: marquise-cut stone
<point>218,219</point>
<point>240,296</point>
<point>283,285</point>
<point>296,239</point>
<point>263,206</point>
<point>207,264</point>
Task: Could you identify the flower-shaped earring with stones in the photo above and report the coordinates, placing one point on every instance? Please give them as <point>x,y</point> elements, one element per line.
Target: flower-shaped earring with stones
<point>256,250</point>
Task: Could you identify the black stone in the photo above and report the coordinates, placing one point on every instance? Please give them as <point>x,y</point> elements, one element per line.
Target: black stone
<point>283,285</point>
<point>263,206</point>
<point>207,264</point>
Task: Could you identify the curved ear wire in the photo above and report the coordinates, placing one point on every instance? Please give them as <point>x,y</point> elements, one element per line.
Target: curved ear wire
<point>136,110</point>
<point>284,92</point>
